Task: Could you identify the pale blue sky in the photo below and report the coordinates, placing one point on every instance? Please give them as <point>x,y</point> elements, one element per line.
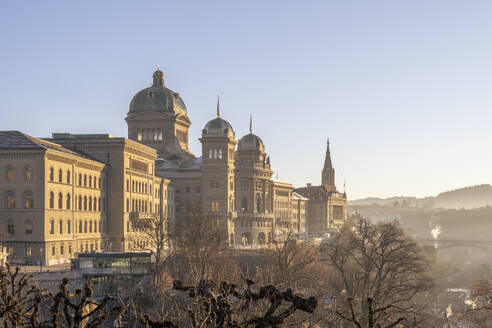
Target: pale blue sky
<point>402,88</point>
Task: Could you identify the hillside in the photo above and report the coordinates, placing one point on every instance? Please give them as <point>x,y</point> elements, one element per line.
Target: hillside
<point>468,197</point>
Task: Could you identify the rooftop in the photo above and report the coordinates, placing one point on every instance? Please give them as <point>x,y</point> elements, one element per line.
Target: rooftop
<point>18,140</point>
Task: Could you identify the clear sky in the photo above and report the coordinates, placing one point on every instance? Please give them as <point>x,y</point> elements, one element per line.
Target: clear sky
<point>402,88</point>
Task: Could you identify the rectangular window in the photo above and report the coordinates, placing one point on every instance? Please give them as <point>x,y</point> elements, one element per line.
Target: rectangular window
<point>52,227</point>
<point>61,227</point>
<point>61,250</point>
<point>69,230</point>
<point>28,251</point>
<point>53,251</point>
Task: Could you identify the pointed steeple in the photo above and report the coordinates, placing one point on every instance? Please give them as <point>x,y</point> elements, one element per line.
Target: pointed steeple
<point>218,106</point>
<point>250,123</point>
<point>328,173</point>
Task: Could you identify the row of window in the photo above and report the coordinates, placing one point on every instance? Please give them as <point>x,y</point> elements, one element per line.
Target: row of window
<point>141,187</point>
<point>216,153</point>
<point>28,200</point>
<point>83,203</point>
<point>27,227</point>
<point>11,173</point>
<point>87,226</point>
<point>149,134</point>
<point>83,180</point>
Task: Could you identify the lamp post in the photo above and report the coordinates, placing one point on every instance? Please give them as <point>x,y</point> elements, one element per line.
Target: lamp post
<point>41,259</point>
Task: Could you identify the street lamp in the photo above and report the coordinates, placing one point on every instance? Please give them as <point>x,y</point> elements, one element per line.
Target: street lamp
<point>41,259</point>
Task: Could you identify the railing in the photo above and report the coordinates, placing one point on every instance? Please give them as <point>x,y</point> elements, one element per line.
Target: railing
<point>113,270</point>
<point>243,215</point>
<point>141,215</point>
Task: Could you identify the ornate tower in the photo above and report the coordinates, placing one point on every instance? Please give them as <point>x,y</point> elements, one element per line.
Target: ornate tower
<point>328,173</point>
<point>254,189</point>
<point>218,173</point>
<point>157,117</point>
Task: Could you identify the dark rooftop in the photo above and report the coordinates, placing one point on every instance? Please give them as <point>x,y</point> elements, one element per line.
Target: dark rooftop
<point>19,140</point>
<point>112,255</point>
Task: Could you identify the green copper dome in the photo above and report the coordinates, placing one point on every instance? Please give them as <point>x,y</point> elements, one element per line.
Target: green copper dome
<point>218,128</point>
<point>157,98</point>
<point>251,141</point>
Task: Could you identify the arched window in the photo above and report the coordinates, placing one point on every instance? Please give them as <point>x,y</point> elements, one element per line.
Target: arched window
<point>133,185</point>
<point>52,199</point>
<point>80,179</point>
<point>60,200</point>
<point>100,204</point>
<point>90,226</point>
<point>11,227</point>
<point>68,176</point>
<point>95,204</point>
<point>85,203</point>
<point>127,205</point>
<point>68,201</point>
<point>52,174</point>
<point>69,227</point>
<point>90,203</point>
<point>90,181</point>
<point>80,203</point>
<point>258,203</point>
<point>60,175</point>
<point>246,239</point>
<point>80,226</point>
<point>85,180</point>
<point>60,226</point>
<point>100,183</point>
<point>10,173</point>
<point>244,204</point>
<point>52,227</point>
<point>127,185</point>
<point>261,238</point>
<point>28,199</point>
<point>28,225</point>
<point>28,173</point>
<point>85,226</point>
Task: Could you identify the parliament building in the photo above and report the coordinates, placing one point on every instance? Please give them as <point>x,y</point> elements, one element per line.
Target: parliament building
<point>77,193</point>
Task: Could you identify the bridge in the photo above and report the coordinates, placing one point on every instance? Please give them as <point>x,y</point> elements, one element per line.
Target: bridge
<point>450,243</point>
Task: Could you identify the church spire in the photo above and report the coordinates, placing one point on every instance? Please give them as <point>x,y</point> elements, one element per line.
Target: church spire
<point>250,123</point>
<point>328,173</point>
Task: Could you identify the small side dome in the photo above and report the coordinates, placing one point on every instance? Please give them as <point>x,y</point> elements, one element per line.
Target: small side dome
<point>218,128</point>
<point>251,141</point>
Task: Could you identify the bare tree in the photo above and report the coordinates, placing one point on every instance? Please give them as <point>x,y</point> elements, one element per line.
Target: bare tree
<point>289,263</point>
<point>379,273</point>
<point>201,251</point>
<point>212,305</point>
<point>152,235</point>
<point>18,296</point>
<point>480,304</point>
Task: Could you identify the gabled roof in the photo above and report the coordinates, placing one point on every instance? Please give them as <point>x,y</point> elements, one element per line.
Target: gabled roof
<point>10,140</point>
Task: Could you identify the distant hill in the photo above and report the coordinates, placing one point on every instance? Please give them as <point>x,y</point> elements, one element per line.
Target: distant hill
<point>468,197</point>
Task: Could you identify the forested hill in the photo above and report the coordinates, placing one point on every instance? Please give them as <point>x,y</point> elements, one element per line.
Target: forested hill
<point>468,197</point>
